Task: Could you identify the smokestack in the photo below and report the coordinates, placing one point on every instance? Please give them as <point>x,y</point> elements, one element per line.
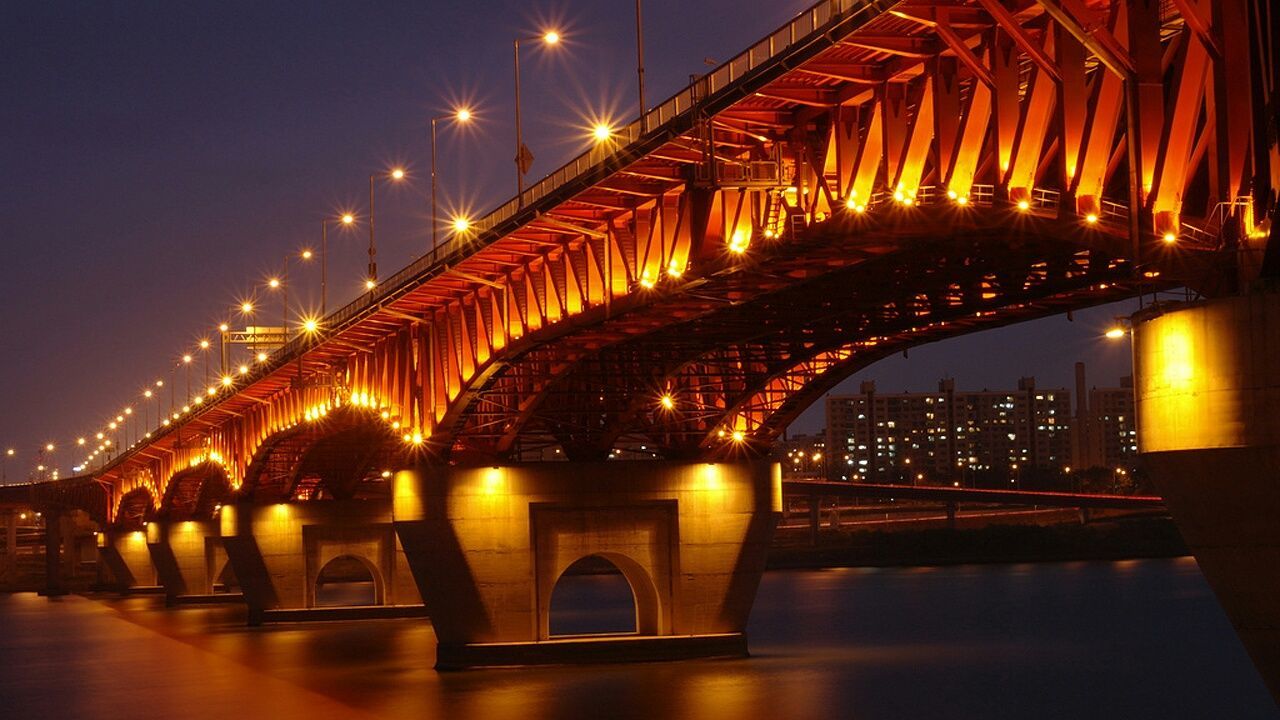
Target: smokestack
<point>1082,396</point>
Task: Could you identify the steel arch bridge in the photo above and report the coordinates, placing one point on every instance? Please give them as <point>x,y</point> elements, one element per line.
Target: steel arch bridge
<point>869,177</point>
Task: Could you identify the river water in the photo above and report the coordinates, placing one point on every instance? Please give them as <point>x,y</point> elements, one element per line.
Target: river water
<point>1134,639</point>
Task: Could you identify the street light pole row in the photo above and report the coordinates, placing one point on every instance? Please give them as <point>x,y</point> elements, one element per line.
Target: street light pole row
<point>523,160</point>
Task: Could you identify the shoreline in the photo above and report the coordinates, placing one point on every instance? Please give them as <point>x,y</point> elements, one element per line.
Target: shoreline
<point>1121,539</point>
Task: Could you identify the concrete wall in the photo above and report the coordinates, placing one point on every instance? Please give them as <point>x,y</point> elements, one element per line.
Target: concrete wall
<point>277,551</point>
<point>126,555</point>
<point>487,545</point>
<point>1207,377</point>
<point>187,555</point>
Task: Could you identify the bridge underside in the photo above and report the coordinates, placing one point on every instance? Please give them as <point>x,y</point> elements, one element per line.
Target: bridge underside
<point>748,348</point>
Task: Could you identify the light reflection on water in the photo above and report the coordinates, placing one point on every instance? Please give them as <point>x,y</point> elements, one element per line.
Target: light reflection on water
<point>1132,640</point>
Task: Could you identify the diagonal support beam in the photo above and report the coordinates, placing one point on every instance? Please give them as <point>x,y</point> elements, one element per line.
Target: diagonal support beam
<point>961,50</point>
<point>1018,34</point>
<point>1069,14</point>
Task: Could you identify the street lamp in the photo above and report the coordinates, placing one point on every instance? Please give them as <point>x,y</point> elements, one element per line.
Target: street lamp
<point>395,175</point>
<point>347,219</point>
<point>278,284</point>
<point>640,63</point>
<point>204,349</point>
<point>186,361</point>
<point>461,115</point>
<point>524,158</point>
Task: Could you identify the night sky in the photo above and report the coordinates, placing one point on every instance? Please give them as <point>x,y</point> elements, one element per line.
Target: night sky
<point>160,159</point>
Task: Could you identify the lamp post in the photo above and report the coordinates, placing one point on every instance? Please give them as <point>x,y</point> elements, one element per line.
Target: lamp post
<point>524,158</point>
<point>640,63</point>
<point>395,174</point>
<point>461,115</point>
<point>204,349</point>
<point>186,362</point>
<point>275,283</point>
<point>347,219</point>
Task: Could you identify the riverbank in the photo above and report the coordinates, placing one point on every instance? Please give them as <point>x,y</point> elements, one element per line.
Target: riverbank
<point>1112,539</point>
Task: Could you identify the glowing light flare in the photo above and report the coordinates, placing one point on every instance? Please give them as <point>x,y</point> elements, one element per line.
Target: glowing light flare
<point>601,132</point>
<point>551,37</point>
<point>1170,238</point>
<point>1115,333</point>
<point>462,115</point>
<point>310,325</point>
<point>397,173</point>
<point>1024,205</point>
<point>204,344</point>
<point>668,402</point>
<point>1091,218</point>
<point>348,218</point>
<point>306,254</point>
<point>461,224</point>
<point>186,358</point>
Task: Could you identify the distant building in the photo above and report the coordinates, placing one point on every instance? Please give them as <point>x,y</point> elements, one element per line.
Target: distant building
<point>938,437</point>
<point>1106,427</point>
<point>803,457</point>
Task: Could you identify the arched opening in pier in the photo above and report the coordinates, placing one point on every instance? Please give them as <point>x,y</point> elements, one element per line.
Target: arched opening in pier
<point>347,581</point>
<point>594,596</point>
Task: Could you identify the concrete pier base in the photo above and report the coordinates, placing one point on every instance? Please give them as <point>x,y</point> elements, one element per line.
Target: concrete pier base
<point>188,557</point>
<point>126,556</point>
<point>590,650</point>
<point>278,552</point>
<point>488,546</point>
<point>1208,392</point>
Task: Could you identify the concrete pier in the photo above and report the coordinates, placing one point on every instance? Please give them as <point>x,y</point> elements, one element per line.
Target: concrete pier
<point>1208,388</point>
<point>488,545</point>
<point>126,556</point>
<point>278,552</point>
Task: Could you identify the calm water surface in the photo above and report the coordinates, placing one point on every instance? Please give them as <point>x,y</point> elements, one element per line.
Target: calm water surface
<point>1085,640</point>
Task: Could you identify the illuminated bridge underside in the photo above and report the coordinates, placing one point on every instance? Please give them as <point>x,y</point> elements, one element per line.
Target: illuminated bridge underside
<point>870,177</point>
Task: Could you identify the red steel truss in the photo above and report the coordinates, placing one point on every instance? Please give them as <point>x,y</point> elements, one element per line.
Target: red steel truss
<point>869,177</point>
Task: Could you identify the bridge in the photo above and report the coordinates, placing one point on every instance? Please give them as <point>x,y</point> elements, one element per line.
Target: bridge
<point>600,365</point>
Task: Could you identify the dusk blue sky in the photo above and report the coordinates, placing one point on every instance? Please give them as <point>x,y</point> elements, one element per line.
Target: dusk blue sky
<point>160,159</point>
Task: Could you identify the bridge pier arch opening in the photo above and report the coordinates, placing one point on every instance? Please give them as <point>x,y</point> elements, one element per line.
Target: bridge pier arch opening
<point>488,544</point>
<point>359,582</point>
<point>602,599</point>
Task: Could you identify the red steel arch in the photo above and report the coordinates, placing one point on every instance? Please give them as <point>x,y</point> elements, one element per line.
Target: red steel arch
<point>848,145</point>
